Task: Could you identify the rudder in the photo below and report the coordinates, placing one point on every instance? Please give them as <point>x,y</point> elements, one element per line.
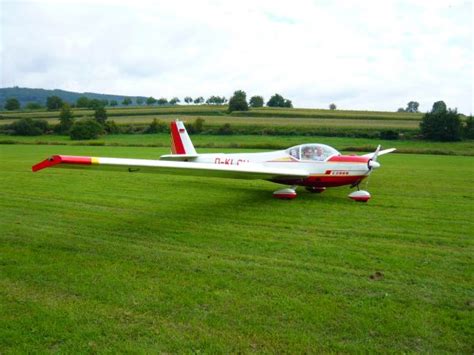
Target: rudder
<point>180,142</point>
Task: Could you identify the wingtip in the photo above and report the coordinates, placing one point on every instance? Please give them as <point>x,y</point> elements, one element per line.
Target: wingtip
<point>51,161</point>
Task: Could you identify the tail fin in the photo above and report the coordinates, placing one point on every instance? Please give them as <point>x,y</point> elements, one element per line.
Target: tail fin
<point>180,142</point>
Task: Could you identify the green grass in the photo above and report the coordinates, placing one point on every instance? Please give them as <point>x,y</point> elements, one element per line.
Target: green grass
<point>253,141</point>
<point>113,262</point>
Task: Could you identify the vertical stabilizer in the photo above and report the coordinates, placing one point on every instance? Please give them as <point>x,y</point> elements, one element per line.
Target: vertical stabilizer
<point>180,141</point>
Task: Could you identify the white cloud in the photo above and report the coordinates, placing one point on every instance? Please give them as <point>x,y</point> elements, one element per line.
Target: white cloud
<point>361,55</point>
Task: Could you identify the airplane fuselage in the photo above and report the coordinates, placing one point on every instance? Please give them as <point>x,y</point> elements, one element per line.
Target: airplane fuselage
<point>336,170</point>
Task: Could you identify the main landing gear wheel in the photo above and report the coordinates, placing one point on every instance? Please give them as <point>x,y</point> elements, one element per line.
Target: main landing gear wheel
<point>286,194</point>
<point>315,190</point>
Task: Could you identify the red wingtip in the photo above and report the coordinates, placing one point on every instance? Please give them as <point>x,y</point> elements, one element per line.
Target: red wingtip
<point>55,159</point>
<point>58,159</point>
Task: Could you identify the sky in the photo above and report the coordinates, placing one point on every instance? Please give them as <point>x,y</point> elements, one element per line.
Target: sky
<point>362,55</point>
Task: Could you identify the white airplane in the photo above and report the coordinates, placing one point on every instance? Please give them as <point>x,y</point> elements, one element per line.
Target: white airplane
<point>314,166</point>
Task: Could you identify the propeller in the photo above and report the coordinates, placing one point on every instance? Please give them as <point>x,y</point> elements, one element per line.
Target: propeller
<point>372,163</point>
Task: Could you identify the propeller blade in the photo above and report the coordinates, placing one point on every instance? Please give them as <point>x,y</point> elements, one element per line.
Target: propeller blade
<point>376,154</point>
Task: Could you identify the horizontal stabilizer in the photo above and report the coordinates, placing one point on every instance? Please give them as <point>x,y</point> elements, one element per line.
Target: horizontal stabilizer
<point>179,157</point>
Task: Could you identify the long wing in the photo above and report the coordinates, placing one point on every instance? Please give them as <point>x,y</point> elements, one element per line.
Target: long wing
<point>247,171</point>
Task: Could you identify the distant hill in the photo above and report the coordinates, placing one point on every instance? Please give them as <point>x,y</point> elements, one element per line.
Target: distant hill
<point>27,95</point>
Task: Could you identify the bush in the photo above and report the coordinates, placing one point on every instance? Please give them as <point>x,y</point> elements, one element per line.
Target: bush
<point>389,134</point>
<point>197,126</point>
<point>155,126</point>
<point>441,124</point>
<point>225,130</point>
<point>29,127</point>
<point>111,127</point>
<point>86,129</point>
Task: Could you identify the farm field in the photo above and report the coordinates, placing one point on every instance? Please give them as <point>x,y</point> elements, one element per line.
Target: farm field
<point>105,262</point>
<point>262,122</point>
<point>323,121</point>
<point>254,141</point>
<point>211,110</point>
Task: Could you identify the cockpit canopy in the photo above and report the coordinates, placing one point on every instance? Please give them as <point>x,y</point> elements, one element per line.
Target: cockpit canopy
<point>312,152</point>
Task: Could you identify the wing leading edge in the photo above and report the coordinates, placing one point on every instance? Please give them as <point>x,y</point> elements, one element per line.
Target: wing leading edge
<point>247,171</point>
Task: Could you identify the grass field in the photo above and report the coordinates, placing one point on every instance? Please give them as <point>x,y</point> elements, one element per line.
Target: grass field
<point>108,262</point>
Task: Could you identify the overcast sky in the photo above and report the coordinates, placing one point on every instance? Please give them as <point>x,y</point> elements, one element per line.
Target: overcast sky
<point>374,55</point>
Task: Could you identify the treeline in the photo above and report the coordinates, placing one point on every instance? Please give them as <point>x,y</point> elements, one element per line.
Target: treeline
<point>55,102</point>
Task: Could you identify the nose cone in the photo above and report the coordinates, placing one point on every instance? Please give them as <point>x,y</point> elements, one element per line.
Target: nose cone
<point>374,164</point>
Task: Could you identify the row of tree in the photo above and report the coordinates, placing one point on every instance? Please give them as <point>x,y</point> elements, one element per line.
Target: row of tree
<point>238,101</point>
<point>55,102</point>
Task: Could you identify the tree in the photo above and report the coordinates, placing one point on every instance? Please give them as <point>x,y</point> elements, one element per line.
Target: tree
<point>401,109</point>
<point>412,106</point>
<point>86,129</point>
<point>66,118</point>
<point>238,102</point>
<point>139,101</point>
<point>438,107</point>
<point>100,115</point>
<point>82,102</point>
<point>441,124</point>
<point>188,99</point>
<point>174,101</point>
<point>162,101</point>
<point>332,106</point>
<point>12,104</point>
<point>256,101</point>
<point>150,101</point>
<point>288,103</point>
<point>199,100</point>
<point>279,101</point>
<point>54,102</point>
<point>113,103</point>
<point>468,130</point>
<point>94,104</point>
<point>127,101</point>
<point>33,106</point>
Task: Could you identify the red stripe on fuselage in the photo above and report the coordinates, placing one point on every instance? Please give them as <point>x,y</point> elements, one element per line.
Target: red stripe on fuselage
<point>62,159</point>
<point>177,144</point>
<point>348,159</point>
